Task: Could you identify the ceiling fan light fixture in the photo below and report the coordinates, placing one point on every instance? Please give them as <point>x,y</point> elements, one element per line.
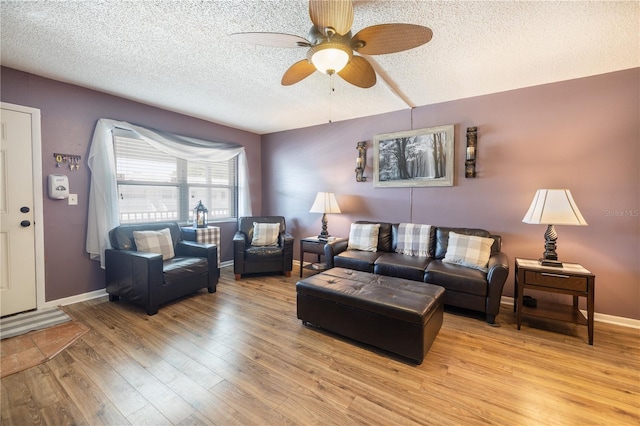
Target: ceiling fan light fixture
<point>332,45</point>
<point>330,58</point>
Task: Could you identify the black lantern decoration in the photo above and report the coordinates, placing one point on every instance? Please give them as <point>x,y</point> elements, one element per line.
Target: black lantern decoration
<point>200,214</point>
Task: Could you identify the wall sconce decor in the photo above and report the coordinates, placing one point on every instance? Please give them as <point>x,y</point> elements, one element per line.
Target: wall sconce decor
<point>472,149</point>
<point>361,161</point>
<point>200,213</point>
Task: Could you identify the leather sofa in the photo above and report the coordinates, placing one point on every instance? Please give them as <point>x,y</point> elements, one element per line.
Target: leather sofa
<point>146,279</point>
<point>465,287</point>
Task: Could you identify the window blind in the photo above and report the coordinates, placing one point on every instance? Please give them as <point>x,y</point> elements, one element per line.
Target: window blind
<point>154,186</point>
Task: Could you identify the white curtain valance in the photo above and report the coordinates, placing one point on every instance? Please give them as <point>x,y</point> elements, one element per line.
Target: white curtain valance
<point>103,191</point>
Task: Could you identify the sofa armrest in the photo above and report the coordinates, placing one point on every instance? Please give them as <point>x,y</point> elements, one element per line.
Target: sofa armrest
<point>134,275</point>
<point>209,251</point>
<point>286,240</point>
<point>334,248</point>
<point>498,271</point>
<point>239,245</point>
<point>239,238</point>
<point>194,249</point>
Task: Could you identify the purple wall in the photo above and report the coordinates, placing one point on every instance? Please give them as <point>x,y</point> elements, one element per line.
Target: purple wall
<point>69,114</point>
<point>581,134</point>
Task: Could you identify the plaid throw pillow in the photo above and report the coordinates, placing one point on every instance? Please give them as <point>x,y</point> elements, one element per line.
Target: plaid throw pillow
<point>468,250</point>
<point>414,239</point>
<point>363,237</point>
<point>158,242</point>
<point>265,234</point>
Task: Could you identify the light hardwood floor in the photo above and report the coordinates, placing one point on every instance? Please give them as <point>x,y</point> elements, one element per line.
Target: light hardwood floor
<point>240,356</point>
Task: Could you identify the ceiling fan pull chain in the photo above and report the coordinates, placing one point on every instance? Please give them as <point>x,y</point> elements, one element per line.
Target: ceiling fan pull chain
<point>331,90</point>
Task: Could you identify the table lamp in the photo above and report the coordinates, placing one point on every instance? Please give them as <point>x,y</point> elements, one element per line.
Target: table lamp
<point>324,203</point>
<point>553,207</point>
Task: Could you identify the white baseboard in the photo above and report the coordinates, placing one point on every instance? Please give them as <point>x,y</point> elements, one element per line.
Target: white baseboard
<point>609,319</point>
<point>75,299</point>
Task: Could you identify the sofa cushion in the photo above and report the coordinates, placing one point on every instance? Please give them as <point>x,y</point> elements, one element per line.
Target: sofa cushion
<point>468,250</point>
<point>414,239</point>
<point>263,253</point>
<point>401,266</point>
<point>178,269</point>
<point>456,278</point>
<point>363,237</point>
<point>356,259</point>
<point>158,242</point>
<point>265,234</point>
<point>442,238</point>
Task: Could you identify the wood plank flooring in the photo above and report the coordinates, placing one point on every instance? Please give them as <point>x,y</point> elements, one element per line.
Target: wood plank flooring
<point>240,356</point>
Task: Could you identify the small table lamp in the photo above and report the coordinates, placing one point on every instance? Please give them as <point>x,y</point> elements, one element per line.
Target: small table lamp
<point>325,203</point>
<point>553,207</point>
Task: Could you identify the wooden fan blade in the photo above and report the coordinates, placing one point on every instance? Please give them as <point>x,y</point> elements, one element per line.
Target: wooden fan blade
<point>359,72</point>
<point>336,14</point>
<point>390,38</point>
<point>297,72</point>
<point>271,39</point>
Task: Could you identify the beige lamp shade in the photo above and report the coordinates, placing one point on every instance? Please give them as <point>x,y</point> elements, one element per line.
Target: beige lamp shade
<point>325,202</point>
<point>554,207</point>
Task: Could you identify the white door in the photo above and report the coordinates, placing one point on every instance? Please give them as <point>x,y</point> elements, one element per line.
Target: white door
<point>17,234</point>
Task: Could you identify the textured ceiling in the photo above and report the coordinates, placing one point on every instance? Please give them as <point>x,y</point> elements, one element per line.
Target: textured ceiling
<point>178,55</point>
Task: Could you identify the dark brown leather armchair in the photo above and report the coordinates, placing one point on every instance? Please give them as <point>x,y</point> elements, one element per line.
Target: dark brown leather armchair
<point>148,280</point>
<point>250,259</point>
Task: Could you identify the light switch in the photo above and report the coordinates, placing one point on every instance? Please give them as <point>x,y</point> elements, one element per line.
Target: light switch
<point>73,199</point>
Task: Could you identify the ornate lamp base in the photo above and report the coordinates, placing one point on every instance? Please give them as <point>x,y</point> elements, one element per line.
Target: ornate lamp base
<point>324,235</point>
<point>550,257</point>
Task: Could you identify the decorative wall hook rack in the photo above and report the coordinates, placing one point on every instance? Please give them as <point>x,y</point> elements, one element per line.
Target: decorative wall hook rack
<point>361,161</point>
<point>472,150</point>
<point>71,159</point>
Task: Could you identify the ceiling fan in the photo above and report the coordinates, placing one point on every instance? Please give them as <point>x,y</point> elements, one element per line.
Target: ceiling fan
<point>332,48</point>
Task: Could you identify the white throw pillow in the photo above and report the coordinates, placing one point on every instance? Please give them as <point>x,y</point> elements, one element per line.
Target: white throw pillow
<point>158,242</point>
<point>414,239</point>
<point>468,250</point>
<point>364,236</point>
<point>265,234</point>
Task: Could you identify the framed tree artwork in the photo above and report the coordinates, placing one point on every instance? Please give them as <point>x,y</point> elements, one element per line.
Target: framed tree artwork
<point>422,157</point>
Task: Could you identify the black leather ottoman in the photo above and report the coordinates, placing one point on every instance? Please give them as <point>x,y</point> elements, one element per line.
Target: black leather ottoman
<point>394,314</point>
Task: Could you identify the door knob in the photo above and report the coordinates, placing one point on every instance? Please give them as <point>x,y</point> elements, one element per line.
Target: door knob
<point>24,209</point>
<point>25,223</point>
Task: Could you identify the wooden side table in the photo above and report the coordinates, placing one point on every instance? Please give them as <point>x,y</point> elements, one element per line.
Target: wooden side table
<point>571,279</point>
<point>312,245</point>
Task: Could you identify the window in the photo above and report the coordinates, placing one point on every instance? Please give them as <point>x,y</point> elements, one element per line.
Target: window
<point>154,186</point>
